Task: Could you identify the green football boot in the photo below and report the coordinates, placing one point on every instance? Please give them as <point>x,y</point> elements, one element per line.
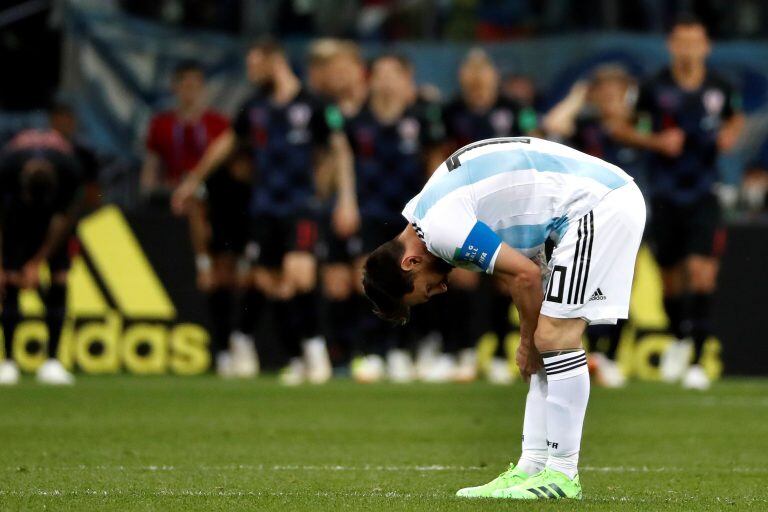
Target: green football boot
<point>511,477</point>
<point>544,485</point>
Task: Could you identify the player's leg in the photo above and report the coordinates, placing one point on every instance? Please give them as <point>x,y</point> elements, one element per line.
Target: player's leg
<point>9,318</point>
<point>220,305</point>
<point>590,281</point>
<point>338,291</point>
<point>669,234</point>
<point>702,266</point>
<point>55,297</point>
<point>299,268</point>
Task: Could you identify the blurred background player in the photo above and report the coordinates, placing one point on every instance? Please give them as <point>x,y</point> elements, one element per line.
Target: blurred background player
<point>479,112</point>
<point>584,120</point>
<point>176,140</point>
<point>62,118</point>
<point>394,151</point>
<point>687,116</point>
<point>288,130</point>
<point>40,200</point>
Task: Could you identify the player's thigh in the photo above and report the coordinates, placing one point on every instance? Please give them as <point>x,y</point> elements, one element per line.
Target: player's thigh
<point>337,281</point>
<point>668,232</point>
<point>592,266</point>
<point>558,333</point>
<point>270,282</point>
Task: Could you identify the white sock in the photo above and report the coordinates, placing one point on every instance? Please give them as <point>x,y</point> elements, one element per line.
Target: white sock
<point>567,397</point>
<point>534,455</point>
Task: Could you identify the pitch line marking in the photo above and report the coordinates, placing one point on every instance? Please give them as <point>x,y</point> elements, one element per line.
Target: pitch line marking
<point>332,467</point>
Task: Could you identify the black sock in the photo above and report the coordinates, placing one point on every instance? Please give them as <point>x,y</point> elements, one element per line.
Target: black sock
<point>283,314</point>
<point>10,318</point>
<point>674,307</point>
<point>55,312</point>
<point>614,337</point>
<point>220,309</point>
<point>306,313</point>
<point>341,323</point>
<point>500,325</point>
<point>251,306</point>
<point>702,326</point>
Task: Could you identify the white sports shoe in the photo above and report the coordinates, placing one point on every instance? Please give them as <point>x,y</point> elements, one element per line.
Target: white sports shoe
<point>318,361</point>
<point>466,369</point>
<point>428,350</point>
<point>675,360</point>
<point>53,372</point>
<point>696,378</point>
<point>9,373</point>
<point>293,374</point>
<point>245,360</point>
<point>224,365</point>
<point>368,369</point>
<point>442,370</point>
<point>499,372</point>
<point>609,374</point>
<point>400,367</point>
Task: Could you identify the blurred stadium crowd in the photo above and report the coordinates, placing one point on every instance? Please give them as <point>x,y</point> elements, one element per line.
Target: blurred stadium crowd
<point>286,198</point>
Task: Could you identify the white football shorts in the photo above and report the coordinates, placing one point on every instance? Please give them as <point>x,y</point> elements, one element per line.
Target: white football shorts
<point>592,267</point>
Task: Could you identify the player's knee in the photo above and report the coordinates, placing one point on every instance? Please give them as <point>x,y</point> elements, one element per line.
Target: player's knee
<point>558,333</point>
<point>337,283</point>
<point>703,276</point>
<point>300,269</point>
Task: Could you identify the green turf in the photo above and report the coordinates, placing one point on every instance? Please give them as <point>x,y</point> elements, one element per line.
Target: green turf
<point>171,443</point>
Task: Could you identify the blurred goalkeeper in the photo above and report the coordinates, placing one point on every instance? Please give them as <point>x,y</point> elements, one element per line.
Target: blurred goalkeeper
<point>40,196</point>
<point>490,208</point>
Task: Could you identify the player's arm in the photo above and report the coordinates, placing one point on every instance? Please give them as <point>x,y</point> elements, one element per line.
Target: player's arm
<point>561,119</point>
<point>215,155</point>
<point>523,279</point>
<point>346,216</point>
<point>734,121</point>
<point>59,228</point>
<point>150,172</point>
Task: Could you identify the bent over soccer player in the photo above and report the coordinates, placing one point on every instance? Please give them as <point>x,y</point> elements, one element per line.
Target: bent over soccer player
<point>490,208</point>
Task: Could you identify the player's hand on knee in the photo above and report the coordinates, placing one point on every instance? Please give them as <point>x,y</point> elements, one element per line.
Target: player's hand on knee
<point>528,360</point>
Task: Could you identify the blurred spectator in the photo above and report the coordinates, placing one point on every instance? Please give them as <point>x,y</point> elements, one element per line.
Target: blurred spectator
<point>40,181</point>
<point>392,145</point>
<point>288,131</point>
<point>176,141</point>
<point>63,119</point>
<point>688,115</point>
<point>520,89</point>
<point>479,112</point>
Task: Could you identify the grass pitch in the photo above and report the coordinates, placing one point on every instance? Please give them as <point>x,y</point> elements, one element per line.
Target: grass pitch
<point>172,443</point>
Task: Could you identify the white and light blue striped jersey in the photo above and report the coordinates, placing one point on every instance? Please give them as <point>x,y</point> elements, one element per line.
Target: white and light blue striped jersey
<point>518,190</point>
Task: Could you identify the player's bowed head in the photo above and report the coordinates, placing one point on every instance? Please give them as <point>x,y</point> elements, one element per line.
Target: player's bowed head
<point>402,273</point>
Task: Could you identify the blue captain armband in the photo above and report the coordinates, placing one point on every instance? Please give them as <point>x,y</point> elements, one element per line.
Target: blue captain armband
<point>479,248</point>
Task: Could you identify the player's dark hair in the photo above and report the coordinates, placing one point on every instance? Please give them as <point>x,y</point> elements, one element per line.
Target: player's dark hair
<point>187,66</point>
<point>385,282</point>
<point>686,19</point>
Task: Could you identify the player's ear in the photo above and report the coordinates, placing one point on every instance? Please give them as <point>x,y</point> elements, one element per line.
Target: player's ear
<point>410,261</point>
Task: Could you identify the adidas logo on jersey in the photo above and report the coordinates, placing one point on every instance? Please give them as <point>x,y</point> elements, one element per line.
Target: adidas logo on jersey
<point>598,295</point>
